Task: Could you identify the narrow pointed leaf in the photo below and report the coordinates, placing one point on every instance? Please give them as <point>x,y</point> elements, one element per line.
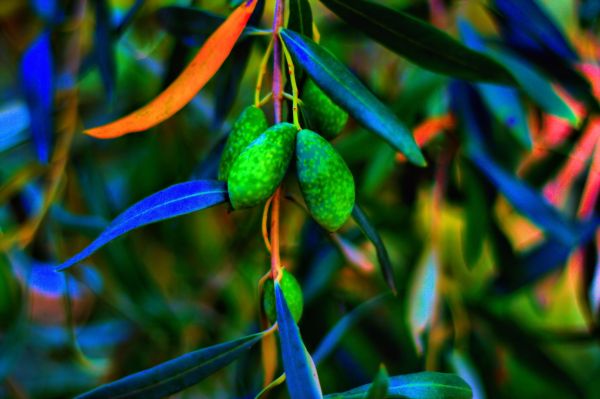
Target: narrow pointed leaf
<point>335,335</point>
<point>380,385</point>
<point>177,374</point>
<point>423,298</point>
<point>14,119</point>
<point>424,385</point>
<point>173,201</point>
<point>38,86</point>
<point>301,375</point>
<point>382,255</point>
<point>529,19</point>
<point>419,42</point>
<point>104,46</point>
<point>200,70</point>
<point>349,93</point>
<point>535,85</point>
<point>527,201</point>
<point>300,19</point>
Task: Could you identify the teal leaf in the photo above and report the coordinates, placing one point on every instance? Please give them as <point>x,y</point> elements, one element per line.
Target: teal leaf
<point>176,200</point>
<point>382,255</point>
<point>176,374</point>
<point>380,385</point>
<point>301,375</point>
<point>349,93</point>
<point>419,42</point>
<point>424,385</point>
<point>423,298</point>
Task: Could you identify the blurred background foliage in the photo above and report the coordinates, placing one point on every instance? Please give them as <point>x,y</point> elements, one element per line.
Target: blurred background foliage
<point>484,287</point>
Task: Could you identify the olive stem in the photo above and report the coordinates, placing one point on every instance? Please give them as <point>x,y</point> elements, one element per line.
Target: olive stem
<point>261,74</point>
<point>277,90</point>
<point>290,64</point>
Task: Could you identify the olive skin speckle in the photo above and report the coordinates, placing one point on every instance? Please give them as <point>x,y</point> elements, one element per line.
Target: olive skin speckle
<point>325,180</point>
<point>251,123</point>
<point>259,169</point>
<point>323,115</point>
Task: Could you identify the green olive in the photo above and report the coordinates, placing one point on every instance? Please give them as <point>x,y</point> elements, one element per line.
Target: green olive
<point>251,123</point>
<point>291,292</point>
<point>259,169</point>
<point>325,180</point>
<point>323,115</point>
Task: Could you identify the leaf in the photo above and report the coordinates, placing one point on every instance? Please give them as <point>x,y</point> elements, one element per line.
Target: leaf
<point>423,298</point>
<point>544,258</point>
<point>173,201</point>
<point>300,19</point>
<point>349,93</point>
<point>502,101</point>
<point>38,86</point>
<point>177,374</point>
<point>104,46</point>
<point>424,385</point>
<point>301,375</point>
<point>380,385</point>
<point>419,42</point>
<point>202,67</point>
<point>526,200</point>
<point>465,368</point>
<point>529,20</point>
<point>14,119</point>
<point>535,86</point>
<point>334,336</point>
<point>382,255</point>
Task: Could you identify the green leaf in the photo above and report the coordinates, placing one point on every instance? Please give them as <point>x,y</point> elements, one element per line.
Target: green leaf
<point>349,93</point>
<point>300,19</point>
<point>419,42</point>
<point>379,387</point>
<point>382,255</point>
<point>301,375</point>
<point>424,385</point>
<point>177,374</point>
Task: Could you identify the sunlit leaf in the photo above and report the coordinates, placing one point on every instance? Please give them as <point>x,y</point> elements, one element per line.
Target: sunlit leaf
<point>418,41</point>
<point>424,385</point>
<point>301,374</point>
<point>423,298</point>
<point>177,374</point>
<point>349,93</point>
<point>38,86</point>
<point>173,201</point>
<point>382,255</point>
<point>201,69</point>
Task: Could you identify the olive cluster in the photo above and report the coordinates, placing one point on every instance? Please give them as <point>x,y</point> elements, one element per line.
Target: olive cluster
<point>256,158</point>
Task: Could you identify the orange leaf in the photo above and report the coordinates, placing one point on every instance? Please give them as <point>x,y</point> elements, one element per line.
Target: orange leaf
<point>428,130</point>
<point>183,89</point>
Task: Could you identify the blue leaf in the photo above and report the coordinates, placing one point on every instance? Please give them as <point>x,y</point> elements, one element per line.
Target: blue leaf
<point>38,87</point>
<point>177,374</point>
<point>301,375</point>
<point>14,119</point>
<point>534,27</point>
<point>334,336</point>
<point>176,200</point>
<point>502,101</point>
<point>527,201</point>
<point>348,92</point>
